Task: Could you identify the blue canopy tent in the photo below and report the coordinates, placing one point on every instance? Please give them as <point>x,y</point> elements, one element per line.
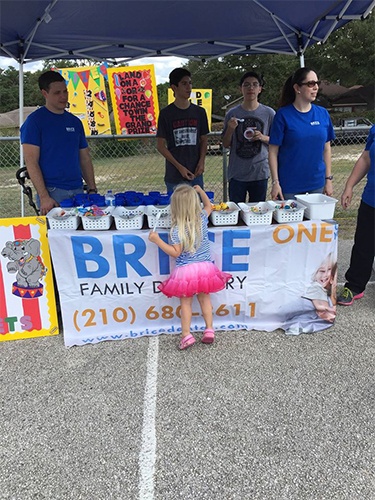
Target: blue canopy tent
<point>107,29</point>
<point>126,30</point>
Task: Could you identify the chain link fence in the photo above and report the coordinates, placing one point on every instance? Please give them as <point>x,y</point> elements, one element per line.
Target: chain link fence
<point>135,164</point>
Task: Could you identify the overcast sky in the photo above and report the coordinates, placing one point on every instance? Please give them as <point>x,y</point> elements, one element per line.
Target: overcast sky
<point>163,65</point>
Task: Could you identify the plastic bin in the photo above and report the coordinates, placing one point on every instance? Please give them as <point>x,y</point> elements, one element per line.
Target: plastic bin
<point>98,222</point>
<point>60,218</point>
<point>287,210</point>
<point>256,213</point>
<point>163,220</point>
<point>129,217</point>
<point>318,206</point>
<point>225,217</point>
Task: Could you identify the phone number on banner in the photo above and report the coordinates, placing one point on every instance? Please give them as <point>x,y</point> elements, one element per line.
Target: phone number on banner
<point>91,318</point>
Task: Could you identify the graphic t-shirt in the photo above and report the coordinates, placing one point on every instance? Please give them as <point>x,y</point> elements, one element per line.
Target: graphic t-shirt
<point>182,129</point>
<point>248,160</point>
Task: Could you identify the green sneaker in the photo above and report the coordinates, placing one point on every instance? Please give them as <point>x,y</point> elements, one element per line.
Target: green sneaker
<point>347,297</point>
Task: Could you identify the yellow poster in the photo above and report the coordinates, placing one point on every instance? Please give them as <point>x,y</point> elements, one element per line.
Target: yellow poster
<point>134,99</point>
<point>27,297</point>
<point>200,97</point>
<point>88,97</point>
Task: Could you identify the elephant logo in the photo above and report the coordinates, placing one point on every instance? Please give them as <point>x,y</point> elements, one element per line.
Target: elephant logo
<point>27,265</point>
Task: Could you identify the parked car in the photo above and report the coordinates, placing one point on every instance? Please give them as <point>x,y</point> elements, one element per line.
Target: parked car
<point>352,131</point>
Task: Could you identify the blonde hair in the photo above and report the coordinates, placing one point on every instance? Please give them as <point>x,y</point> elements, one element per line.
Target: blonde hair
<point>186,217</point>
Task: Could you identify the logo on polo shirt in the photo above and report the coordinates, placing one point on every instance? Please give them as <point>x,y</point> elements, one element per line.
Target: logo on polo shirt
<point>317,122</point>
<point>70,129</point>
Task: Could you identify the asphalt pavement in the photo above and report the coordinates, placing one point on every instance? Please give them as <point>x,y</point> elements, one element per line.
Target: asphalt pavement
<point>255,416</point>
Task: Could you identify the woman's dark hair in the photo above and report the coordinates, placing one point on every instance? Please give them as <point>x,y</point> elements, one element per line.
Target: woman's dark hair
<point>288,94</point>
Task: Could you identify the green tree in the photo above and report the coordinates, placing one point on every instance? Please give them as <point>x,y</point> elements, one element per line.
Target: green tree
<point>223,76</point>
<point>348,55</point>
<point>8,89</point>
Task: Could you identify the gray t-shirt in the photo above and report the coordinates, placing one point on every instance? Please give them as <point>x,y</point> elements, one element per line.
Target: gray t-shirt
<point>248,160</point>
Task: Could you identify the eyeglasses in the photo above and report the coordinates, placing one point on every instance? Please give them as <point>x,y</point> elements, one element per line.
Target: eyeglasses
<point>311,83</point>
<point>254,85</point>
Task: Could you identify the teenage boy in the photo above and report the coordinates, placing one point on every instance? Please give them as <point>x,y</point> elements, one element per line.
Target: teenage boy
<point>182,134</point>
<point>246,132</point>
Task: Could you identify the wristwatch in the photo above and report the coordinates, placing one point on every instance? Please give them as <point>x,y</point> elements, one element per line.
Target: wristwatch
<point>329,178</point>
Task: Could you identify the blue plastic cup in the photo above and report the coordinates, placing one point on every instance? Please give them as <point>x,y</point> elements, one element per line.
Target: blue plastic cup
<point>67,203</point>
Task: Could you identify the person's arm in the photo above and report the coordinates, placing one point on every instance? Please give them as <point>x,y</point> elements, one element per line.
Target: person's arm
<point>203,142</point>
<point>164,151</point>
<point>171,250</point>
<point>276,191</point>
<point>31,155</point>
<point>360,169</point>
<point>87,168</point>
<point>328,187</point>
<point>229,130</point>
<point>207,206</point>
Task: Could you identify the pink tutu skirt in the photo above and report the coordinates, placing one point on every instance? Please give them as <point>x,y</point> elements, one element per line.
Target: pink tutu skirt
<point>189,280</point>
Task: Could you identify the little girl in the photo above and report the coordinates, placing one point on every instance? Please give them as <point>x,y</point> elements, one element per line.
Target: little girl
<point>195,273</point>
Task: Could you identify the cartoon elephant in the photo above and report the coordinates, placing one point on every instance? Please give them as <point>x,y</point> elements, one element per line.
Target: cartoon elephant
<point>24,256</point>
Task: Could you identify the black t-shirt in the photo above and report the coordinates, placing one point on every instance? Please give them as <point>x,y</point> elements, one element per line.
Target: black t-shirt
<point>182,129</point>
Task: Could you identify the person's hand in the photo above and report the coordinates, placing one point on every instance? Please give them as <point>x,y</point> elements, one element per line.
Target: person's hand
<point>328,314</point>
<point>153,236</point>
<point>258,136</point>
<point>276,192</point>
<point>346,197</point>
<point>233,123</point>
<point>328,188</point>
<point>186,174</point>
<point>46,204</point>
<point>198,189</point>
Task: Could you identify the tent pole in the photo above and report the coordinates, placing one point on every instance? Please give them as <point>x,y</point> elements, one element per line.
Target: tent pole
<point>21,100</point>
<point>302,60</point>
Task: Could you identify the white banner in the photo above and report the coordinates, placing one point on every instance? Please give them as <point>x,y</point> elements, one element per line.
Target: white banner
<point>108,281</point>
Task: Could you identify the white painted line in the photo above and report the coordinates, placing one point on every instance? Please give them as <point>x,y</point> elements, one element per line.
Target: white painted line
<point>148,445</point>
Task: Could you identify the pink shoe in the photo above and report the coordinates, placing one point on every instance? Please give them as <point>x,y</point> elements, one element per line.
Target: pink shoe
<point>208,336</point>
<point>186,342</point>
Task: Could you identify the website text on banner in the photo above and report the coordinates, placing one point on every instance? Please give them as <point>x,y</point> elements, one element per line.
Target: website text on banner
<point>108,281</point>
<point>27,299</point>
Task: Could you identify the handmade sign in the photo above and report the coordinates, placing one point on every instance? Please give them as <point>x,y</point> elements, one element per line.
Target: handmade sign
<point>27,298</point>
<point>88,97</point>
<point>134,99</point>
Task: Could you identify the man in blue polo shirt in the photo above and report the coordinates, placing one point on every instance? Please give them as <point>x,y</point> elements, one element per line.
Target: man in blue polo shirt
<point>55,148</point>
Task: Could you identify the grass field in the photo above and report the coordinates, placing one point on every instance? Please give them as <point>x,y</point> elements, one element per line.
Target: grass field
<point>144,172</point>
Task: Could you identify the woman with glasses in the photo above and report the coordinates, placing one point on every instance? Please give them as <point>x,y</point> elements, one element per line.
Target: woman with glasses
<point>299,146</point>
<point>246,132</point>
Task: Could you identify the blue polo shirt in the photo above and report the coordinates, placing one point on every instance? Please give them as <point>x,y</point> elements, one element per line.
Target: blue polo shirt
<point>60,138</point>
<point>368,195</point>
<point>301,138</point>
